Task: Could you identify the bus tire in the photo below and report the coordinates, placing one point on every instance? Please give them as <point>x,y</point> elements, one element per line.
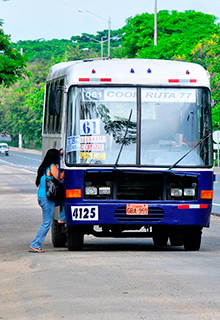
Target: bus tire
<point>75,239</point>
<point>192,238</point>
<point>160,237</point>
<point>58,234</point>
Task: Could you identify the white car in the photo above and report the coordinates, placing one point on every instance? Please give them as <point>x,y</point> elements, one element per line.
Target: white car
<point>4,148</point>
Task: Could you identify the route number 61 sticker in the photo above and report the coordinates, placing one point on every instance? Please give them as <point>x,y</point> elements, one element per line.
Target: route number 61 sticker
<point>82,213</point>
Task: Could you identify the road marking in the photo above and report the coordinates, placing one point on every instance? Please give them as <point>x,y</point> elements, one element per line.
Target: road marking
<point>34,159</point>
<point>19,165</point>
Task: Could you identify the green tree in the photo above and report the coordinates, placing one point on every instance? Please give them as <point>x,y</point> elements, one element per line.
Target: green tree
<point>42,49</point>
<point>12,63</point>
<point>207,53</point>
<point>178,34</point>
<point>22,107</point>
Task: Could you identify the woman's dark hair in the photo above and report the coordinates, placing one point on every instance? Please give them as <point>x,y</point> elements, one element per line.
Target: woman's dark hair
<point>52,156</point>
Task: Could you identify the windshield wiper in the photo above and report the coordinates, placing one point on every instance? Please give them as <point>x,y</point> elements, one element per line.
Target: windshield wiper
<point>186,154</point>
<point>123,142</point>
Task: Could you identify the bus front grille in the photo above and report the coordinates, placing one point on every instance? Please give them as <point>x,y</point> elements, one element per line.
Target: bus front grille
<point>137,185</point>
<point>126,185</point>
<point>154,214</point>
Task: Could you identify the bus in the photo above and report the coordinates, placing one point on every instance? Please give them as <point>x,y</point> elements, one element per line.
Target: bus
<point>137,148</point>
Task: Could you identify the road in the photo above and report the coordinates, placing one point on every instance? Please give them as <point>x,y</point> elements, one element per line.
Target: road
<point>121,279</point>
<point>27,159</point>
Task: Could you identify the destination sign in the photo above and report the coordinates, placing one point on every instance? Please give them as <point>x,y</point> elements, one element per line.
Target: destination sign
<point>182,95</point>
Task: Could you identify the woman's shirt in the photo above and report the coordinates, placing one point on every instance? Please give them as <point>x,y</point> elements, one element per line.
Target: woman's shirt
<point>42,193</point>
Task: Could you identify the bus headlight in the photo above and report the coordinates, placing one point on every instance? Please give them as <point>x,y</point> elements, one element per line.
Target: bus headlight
<point>189,192</point>
<point>91,191</point>
<point>176,192</point>
<point>104,190</point>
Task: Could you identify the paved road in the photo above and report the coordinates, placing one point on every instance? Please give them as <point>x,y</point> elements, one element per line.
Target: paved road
<point>27,159</point>
<point>121,279</point>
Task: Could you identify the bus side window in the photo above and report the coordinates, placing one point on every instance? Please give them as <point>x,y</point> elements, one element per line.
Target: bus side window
<point>47,116</point>
<point>54,107</point>
<point>60,101</point>
<point>50,114</point>
<point>46,109</point>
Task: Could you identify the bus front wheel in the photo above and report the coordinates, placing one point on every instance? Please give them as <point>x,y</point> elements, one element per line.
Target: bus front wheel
<point>75,238</point>
<point>58,233</point>
<point>192,238</point>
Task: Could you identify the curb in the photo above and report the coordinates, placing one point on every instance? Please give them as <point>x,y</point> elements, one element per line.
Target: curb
<point>215,214</point>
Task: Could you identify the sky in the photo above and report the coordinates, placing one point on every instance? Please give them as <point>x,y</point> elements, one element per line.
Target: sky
<point>61,19</point>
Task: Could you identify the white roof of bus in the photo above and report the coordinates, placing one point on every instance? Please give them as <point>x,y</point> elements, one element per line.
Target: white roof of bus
<point>131,71</point>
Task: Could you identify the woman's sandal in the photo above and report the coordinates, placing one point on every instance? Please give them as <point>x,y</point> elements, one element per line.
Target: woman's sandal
<point>36,250</point>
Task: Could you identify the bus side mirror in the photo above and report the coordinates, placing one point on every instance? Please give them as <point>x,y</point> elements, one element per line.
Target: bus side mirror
<point>55,102</point>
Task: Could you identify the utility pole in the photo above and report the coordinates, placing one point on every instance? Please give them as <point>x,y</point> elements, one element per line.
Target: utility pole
<point>155,23</point>
<point>109,36</point>
<point>109,28</point>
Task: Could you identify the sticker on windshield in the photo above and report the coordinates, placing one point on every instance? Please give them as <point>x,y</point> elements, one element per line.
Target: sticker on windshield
<point>90,147</point>
<point>93,139</point>
<point>90,127</point>
<point>93,155</point>
<point>73,143</point>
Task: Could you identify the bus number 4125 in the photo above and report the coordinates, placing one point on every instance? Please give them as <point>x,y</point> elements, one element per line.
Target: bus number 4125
<point>84,213</point>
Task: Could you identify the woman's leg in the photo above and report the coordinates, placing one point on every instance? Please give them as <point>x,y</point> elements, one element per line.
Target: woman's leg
<point>47,210</point>
<point>62,217</point>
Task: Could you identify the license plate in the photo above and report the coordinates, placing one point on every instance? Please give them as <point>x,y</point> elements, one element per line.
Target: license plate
<point>137,209</point>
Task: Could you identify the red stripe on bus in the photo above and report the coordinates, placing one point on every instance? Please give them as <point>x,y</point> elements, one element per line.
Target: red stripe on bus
<point>183,206</point>
<point>173,80</point>
<point>193,80</point>
<point>203,206</point>
<point>84,79</point>
<point>105,79</point>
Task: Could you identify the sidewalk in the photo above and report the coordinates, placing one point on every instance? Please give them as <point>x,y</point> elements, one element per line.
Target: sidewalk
<point>217,170</point>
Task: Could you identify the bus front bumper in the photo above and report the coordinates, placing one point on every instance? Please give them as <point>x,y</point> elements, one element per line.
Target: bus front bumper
<point>106,213</point>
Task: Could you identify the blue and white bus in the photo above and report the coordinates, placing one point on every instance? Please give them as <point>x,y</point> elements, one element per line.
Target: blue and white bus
<point>128,128</point>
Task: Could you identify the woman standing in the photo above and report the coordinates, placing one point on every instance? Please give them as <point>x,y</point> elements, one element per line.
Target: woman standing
<point>48,167</point>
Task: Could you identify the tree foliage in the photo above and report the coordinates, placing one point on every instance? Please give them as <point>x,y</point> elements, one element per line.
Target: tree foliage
<point>12,63</point>
<point>78,47</point>
<point>21,110</point>
<point>207,53</point>
<point>178,33</point>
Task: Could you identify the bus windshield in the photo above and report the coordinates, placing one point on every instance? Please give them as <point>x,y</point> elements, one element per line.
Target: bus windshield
<point>165,124</point>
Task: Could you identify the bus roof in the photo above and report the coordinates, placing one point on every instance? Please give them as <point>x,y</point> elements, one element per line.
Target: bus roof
<point>132,72</point>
